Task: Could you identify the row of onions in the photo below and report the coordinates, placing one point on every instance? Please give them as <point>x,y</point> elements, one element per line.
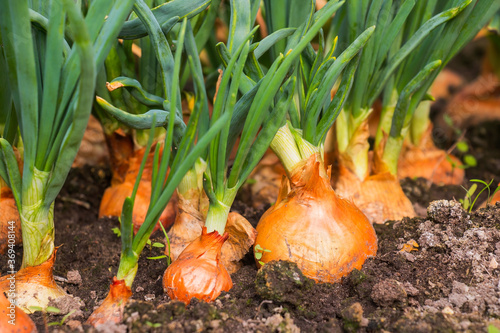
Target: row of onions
<point>197,238</point>
<point>278,92</point>
<point>51,71</point>
<point>412,44</point>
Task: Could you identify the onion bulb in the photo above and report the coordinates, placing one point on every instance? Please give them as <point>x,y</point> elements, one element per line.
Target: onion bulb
<point>9,220</point>
<point>379,196</point>
<point>188,226</point>
<point>477,102</point>
<point>111,309</point>
<point>326,236</point>
<point>198,271</point>
<point>427,161</point>
<point>35,285</point>
<point>125,171</point>
<point>13,319</point>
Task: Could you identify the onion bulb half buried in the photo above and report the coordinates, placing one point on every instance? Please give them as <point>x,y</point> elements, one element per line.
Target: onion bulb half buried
<point>326,236</point>
<point>198,272</point>
<point>111,309</point>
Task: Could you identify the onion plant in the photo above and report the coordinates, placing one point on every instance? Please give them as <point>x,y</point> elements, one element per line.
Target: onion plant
<point>255,118</point>
<point>373,186</point>
<point>405,108</point>
<point>339,237</point>
<point>179,153</point>
<point>136,85</point>
<point>52,87</point>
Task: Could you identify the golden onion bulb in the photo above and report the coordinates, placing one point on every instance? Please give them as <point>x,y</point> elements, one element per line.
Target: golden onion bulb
<point>325,235</point>
<point>198,272</point>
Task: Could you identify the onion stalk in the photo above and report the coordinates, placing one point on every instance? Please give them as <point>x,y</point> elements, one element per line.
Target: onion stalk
<point>52,86</point>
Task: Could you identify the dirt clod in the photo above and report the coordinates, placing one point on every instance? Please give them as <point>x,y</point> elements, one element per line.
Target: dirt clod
<point>282,281</point>
<point>74,277</point>
<point>67,304</point>
<point>387,292</point>
<point>446,211</point>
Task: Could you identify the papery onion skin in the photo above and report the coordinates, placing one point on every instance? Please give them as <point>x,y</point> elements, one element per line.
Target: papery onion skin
<point>427,161</point>
<point>325,235</point>
<point>10,222</point>
<point>189,224</point>
<point>380,196</point>
<point>111,309</point>
<point>198,272</point>
<point>122,186</point>
<point>35,285</point>
<point>22,322</point>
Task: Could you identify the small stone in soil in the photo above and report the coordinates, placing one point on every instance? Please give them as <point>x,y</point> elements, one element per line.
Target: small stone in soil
<point>445,211</point>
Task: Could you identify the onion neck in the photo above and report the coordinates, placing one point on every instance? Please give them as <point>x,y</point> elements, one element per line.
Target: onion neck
<point>386,115</point>
<point>128,267</point>
<point>354,154</point>
<point>37,221</point>
<point>420,122</point>
<point>218,211</point>
<point>392,150</point>
<point>191,185</point>
<point>292,149</point>
<point>285,147</point>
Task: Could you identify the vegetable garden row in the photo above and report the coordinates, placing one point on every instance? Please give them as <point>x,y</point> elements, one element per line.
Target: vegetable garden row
<point>193,96</point>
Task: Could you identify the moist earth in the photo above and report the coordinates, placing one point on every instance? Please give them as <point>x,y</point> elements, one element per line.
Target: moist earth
<point>435,273</point>
<point>438,273</point>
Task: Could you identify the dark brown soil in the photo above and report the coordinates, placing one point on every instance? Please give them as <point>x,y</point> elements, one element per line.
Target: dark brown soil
<point>449,283</point>
<point>445,279</point>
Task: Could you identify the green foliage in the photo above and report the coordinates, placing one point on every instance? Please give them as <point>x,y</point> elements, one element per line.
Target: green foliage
<point>259,252</point>
<point>117,231</point>
<point>63,320</point>
<point>462,146</point>
<point>493,329</point>
<point>469,201</point>
<point>51,310</point>
<point>153,325</point>
<point>52,87</point>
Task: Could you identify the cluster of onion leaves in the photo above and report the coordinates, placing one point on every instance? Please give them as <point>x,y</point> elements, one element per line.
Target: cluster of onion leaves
<point>137,82</point>
<point>402,107</point>
<point>52,54</point>
<point>400,31</point>
<point>251,119</point>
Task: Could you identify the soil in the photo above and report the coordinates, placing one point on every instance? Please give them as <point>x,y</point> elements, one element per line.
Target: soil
<point>445,279</point>
<point>435,273</point>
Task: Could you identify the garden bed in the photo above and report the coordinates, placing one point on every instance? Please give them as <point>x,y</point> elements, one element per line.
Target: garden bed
<point>450,282</point>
